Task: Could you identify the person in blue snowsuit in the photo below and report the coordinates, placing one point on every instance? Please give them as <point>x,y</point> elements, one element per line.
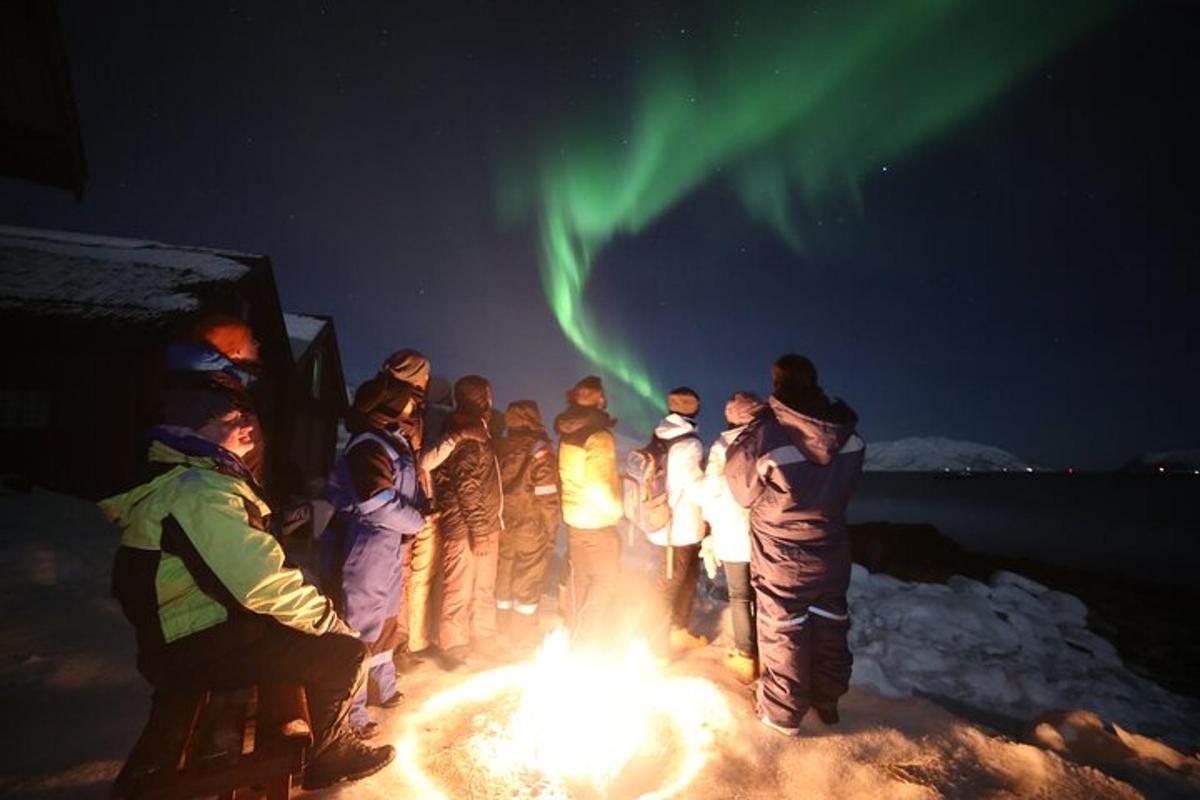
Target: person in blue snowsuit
<point>378,502</point>
<point>795,466</point>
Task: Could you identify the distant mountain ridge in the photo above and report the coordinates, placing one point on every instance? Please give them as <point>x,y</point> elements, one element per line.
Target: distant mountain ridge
<point>1166,461</point>
<point>937,454</point>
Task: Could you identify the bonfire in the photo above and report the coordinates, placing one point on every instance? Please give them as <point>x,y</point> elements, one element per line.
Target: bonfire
<point>570,723</point>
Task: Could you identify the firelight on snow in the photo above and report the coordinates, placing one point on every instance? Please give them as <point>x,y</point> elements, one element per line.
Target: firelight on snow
<point>570,723</point>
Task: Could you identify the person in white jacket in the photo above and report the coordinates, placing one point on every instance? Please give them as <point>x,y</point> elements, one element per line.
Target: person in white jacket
<point>679,542</point>
<point>730,540</point>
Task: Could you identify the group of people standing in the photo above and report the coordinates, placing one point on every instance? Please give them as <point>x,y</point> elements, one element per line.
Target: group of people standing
<point>442,532</point>
<point>443,529</point>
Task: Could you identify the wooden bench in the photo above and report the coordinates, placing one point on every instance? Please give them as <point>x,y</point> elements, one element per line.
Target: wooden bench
<point>171,760</point>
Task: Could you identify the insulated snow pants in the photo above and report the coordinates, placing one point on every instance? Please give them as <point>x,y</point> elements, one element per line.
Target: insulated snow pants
<point>468,591</point>
<point>675,595</point>
<point>594,565</point>
<point>741,606</point>
<point>248,650</point>
<point>803,621</point>
<point>525,551</point>
<point>419,557</point>
<point>368,598</point>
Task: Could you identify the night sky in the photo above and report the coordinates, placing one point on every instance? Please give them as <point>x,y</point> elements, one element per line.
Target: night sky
<point>1023,279</point>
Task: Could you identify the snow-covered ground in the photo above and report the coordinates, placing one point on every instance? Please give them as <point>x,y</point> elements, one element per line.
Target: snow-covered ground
<point>960,690</point>
<point>937,454</point>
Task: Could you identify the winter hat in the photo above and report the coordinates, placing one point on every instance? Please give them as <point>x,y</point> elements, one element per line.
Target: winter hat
<point>682,400</point>
<point>523,415</point>
<point>589,393</point>
<point>473,395</point>
<point>382,401</point>
<point>409,366</point>
<point>793,374</point>
<point>227,334</point>
<point>742,407</point>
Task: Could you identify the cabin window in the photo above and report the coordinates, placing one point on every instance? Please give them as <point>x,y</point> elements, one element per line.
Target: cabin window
<point>316,375</point>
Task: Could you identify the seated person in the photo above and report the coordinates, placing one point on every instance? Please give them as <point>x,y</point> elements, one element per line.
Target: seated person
<point>205,586</point>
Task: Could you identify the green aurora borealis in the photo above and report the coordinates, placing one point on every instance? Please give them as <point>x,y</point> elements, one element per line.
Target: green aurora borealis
<point>793,108</point>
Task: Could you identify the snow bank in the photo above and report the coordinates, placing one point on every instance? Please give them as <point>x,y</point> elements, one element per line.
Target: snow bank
<point>1014,647</point>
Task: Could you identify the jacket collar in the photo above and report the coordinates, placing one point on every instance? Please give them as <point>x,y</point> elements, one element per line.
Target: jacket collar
<point>174,445</point>
<point>674,425</point>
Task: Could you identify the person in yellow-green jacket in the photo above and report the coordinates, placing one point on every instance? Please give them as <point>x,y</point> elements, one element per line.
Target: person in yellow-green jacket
<point>212,602</point>
<point>591,507</point>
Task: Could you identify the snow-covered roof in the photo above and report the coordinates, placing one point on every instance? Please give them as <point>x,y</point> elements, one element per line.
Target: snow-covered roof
<point>80,275</point>
<point>302,331</point>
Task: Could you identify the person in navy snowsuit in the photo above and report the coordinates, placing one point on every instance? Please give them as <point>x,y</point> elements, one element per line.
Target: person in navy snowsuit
<point>378,502</point>
<point>795,466</point>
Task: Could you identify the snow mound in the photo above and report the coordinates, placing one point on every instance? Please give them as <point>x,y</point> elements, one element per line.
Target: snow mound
<point>937,454</point>
<point>1013,647</point>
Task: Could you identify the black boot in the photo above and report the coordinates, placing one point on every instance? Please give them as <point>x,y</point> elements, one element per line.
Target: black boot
<point>347,759</point>
<point>828,713</point>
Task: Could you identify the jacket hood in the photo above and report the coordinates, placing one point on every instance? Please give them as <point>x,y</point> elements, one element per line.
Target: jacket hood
<point>472,395</point>
<point>818,430</point>
<point>579,418</point>
<point>674,426</point>
<point>524,415</point>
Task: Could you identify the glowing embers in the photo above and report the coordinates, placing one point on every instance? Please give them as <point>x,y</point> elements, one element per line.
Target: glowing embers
<point>568,724</point>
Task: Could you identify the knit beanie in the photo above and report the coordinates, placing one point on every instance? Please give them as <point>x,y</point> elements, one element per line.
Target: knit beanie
<point>588,393</point>
<point>409,366</point>
<point>742,407</point>
<point>682,400</point>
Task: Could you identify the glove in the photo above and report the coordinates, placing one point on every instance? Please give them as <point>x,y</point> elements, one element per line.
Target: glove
<point>708,553</point>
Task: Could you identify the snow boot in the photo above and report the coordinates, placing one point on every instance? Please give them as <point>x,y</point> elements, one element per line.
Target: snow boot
<point>741,666</point>
<point>453,658</point>
<point>828,713</point>
<point>683,640</point>
<point>393,701</point>
<point>368,731</point>
<point>347,759</point>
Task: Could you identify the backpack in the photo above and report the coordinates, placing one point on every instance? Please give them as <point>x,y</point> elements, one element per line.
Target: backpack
<point>647,505</point>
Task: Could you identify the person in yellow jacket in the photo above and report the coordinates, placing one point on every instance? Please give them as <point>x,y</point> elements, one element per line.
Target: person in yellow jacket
<point>591,506</point>
<point>212,602</point>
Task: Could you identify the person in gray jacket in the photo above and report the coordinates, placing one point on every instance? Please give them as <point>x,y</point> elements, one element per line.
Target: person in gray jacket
<point>794,467</point>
